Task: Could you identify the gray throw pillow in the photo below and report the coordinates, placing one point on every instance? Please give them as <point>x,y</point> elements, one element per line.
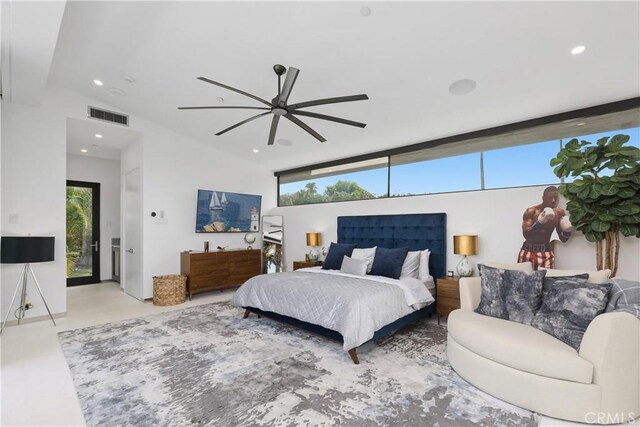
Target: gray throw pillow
<point>510,294</point>
<point>569,304</point>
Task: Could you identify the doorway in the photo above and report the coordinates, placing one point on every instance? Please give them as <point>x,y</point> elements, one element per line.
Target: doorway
<point>83,233</point>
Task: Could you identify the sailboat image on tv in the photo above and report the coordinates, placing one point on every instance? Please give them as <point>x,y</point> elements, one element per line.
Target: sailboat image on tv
<point>223,200</point>
<point>215,204</point>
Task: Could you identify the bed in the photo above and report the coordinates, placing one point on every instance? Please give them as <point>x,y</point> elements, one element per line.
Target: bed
<point>354,309</point>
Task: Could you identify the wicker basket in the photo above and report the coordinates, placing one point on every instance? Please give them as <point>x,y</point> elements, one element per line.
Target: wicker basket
<point>169,290</point>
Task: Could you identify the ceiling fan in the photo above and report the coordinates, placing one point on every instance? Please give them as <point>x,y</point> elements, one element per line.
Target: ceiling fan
<point>279,107</point>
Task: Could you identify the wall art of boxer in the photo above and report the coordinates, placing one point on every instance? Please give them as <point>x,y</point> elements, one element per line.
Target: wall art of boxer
<point>538,224</point>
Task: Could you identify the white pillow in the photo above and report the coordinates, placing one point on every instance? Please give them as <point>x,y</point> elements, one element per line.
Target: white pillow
<point>367,254</point>
<point>423,269</point>
<point>411,264</point>
<point>354,266</point>
<point>521,266</point>
<point>595,276</point>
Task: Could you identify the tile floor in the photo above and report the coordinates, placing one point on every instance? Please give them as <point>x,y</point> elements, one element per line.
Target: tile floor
<point>36,386</point>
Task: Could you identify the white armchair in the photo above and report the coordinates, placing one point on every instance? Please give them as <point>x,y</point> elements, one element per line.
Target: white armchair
<point>522,365</point>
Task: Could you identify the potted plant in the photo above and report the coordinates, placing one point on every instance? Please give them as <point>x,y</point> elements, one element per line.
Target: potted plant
<point>604,198</point>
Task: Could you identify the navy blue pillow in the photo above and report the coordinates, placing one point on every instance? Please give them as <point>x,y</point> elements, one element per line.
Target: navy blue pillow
<point>388,262</point>
<point>337,251</point>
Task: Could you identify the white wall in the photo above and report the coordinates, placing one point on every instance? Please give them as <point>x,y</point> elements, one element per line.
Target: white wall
<point>174,168</point>
<point>33,167</point>
<point>33,197</point>
<point>494,215</point>
<point>107,173</point>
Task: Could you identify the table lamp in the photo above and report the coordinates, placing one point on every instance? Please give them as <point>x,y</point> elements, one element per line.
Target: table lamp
<point>314,239</point>
<point>26,250</point>
<point>465,245</point>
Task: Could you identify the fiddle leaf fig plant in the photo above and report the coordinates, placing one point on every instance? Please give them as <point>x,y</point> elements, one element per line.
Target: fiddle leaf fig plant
<point>604,198</point>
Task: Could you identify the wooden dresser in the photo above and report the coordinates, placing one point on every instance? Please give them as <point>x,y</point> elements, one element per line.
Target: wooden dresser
<point>217,270</point>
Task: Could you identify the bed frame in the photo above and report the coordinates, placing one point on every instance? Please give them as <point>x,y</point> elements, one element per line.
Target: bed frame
<point>413,231</point>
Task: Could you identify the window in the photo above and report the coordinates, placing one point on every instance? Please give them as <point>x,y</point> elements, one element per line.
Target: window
<point>448,174</point>
<point>521,165</point>
<point>508,156</point>
<point>353,181</point>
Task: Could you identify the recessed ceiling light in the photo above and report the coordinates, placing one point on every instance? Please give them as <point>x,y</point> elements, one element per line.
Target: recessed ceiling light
<point>116,91</point>
<point>580,124</point>
<point>284,142</point>
<point>365,11</point>
<point>220,100</point>
<point>83,150</point>
<point>128,78</point>
<point>255,150</point>
<point>98,135</point>
<point>462,87</point>
<point>97,82</point>
<point>578,50</point>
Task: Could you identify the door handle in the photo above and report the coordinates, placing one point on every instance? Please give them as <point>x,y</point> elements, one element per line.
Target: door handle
<point>95,246</point>
<point>130,251</point>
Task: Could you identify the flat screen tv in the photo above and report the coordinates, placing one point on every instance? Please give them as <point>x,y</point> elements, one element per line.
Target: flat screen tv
<point>226,212</point>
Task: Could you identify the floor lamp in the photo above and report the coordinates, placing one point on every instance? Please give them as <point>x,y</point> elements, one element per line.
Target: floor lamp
<point>26,250</point>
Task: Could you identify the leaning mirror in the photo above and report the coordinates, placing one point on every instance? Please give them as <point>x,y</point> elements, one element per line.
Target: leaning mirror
<point>272,244</point>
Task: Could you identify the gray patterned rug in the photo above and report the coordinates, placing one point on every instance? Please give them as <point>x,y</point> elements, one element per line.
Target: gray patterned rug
<point>206,365</point>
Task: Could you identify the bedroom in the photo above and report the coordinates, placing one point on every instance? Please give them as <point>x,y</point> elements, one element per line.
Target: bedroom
<point>389,53</point>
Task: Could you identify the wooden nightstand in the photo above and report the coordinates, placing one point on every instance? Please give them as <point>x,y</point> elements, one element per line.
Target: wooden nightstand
<point>305,264</point>
<point>447,295</point>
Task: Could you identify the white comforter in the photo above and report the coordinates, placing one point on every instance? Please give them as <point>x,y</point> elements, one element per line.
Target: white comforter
<point>354,306</point>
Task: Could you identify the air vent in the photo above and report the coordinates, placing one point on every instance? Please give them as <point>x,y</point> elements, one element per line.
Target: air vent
<point>108,116</point>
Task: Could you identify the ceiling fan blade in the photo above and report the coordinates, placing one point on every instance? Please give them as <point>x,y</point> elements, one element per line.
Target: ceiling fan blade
<point>274,127</point>
<point>330,118</point>
<point>218,107</point>
<point>328,101</point>
<point>303,125</point>
<point>290,80</point>
<point>204,79</point>
<point>242,122</point>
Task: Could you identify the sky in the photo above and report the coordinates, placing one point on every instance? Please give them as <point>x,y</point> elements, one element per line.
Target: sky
<point>508,167</point>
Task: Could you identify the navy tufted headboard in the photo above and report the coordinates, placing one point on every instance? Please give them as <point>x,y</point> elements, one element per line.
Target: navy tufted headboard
<point>415,231</point>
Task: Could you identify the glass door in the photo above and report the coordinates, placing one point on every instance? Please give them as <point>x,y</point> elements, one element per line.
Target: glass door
<point>83,233</point>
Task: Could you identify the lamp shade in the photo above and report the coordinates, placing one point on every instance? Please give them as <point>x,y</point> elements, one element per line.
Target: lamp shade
<point>314,239</point>
<point>465,245</point>
<point>26,249</point>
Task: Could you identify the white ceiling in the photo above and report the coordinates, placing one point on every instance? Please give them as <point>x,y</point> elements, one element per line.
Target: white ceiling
<point>81,135</point>
<point>404,56</point>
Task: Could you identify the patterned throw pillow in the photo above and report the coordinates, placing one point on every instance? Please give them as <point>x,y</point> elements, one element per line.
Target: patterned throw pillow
<point>510,294</point>
<point>337,251</point>
<point>569,304</point>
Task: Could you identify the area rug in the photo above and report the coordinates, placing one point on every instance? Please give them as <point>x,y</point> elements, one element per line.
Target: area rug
<point>207,366</point>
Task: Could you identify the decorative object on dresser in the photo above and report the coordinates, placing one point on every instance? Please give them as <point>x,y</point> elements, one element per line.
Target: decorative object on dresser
<point>465,245</point>
<point>26,250</point>
<point>314,239</point>
<point>226,212</point>
<point>273,243</point>
<point>447,295</point>
<point>218,270</point>
<point>306,264</point>
<point>249,239</point>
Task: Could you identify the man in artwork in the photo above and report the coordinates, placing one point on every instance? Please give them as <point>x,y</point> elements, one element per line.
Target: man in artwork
<point>538,224</point>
